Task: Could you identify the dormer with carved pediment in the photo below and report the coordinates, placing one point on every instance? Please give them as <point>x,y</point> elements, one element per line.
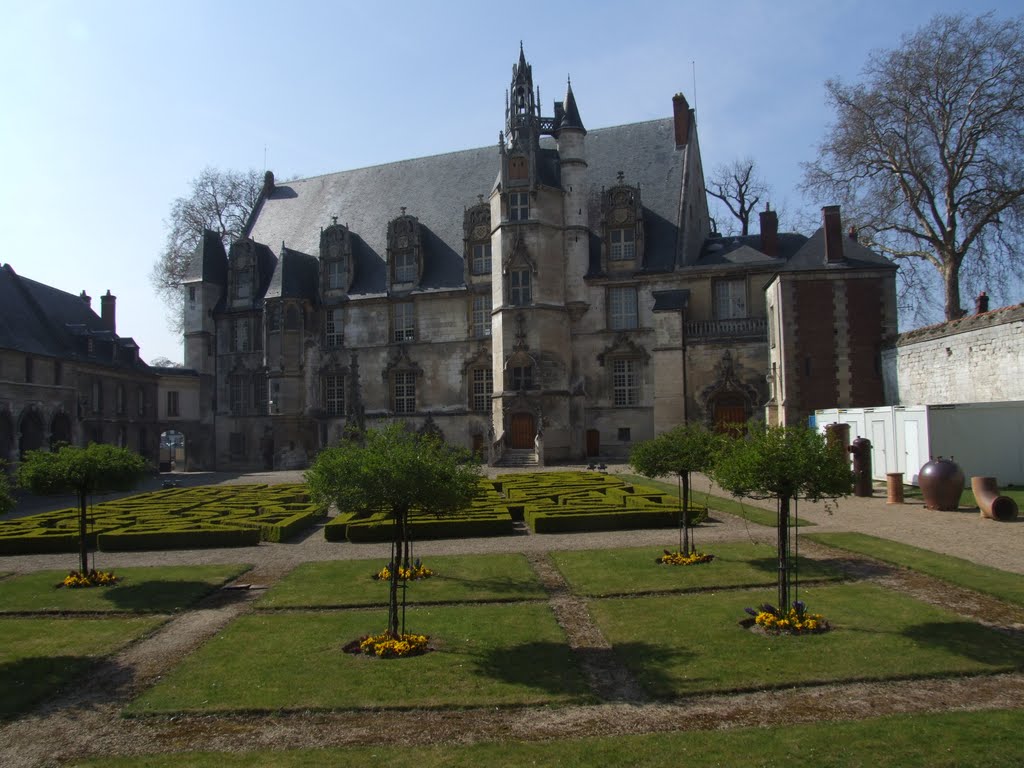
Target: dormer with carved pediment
<point>243,277</point>
<point>622,228</point>
<point>336,265</point>
<point>405,251</point>
<point>476,228</point>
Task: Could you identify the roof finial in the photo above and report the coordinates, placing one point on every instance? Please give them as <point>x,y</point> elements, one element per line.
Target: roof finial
<point>620,176</point>
<point>334,220</point>
<point>403,210</point>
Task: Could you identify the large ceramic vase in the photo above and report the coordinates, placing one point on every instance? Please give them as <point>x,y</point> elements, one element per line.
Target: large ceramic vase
<point>942,483</point>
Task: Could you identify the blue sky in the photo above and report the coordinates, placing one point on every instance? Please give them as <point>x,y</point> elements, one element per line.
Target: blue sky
<point>108,109</point>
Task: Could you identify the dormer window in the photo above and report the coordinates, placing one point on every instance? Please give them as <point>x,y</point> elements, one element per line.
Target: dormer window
<point>476,227</point>
<point>335,258</point>
<point>482,258</point>
<point>242,271</point>
<point>622,224</point>
<point>334,327</point>
<point>520,293</point>
<point>405,244</point>
<point>622,244</point>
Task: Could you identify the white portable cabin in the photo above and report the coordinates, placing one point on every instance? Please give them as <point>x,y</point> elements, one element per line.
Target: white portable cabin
<point>983,438</point>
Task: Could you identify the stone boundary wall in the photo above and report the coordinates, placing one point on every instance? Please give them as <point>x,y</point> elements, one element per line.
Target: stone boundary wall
<point>977,359</point>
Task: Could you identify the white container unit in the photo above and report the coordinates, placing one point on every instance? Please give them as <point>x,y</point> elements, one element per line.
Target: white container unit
<point>983,438</point>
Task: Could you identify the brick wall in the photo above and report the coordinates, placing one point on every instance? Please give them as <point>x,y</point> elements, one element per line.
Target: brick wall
<point>815,348</point>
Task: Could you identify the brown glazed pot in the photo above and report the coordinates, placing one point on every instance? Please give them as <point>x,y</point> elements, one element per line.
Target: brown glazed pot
<point>942,483</point>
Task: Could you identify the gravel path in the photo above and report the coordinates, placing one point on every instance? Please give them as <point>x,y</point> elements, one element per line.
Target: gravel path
<point>86,721</point>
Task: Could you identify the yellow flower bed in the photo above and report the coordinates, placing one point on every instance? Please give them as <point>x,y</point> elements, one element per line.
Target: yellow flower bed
<point>418,571</point>
<point>77,579</point>
<point>387,647</point>
<point>796,621</point>
<point>678,558</point>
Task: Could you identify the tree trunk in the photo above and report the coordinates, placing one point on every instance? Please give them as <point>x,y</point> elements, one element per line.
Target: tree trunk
<point>83,543</point>
<point>686,509</point>
<point>951,283</point>
<point>396,566</point>
<point>783,554</point>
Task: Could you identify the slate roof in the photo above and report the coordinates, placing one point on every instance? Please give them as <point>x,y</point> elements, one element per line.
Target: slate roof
<point>438,189</point>
<point>746,251</point>
<point>855,255</point>
<point>41,320</point>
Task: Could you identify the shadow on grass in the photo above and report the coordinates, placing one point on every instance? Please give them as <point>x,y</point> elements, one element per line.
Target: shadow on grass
<point>157,596</point>
<point>541,666</point>
<point>971,641</point>
<point>26,682</point>
<point>495,584</point>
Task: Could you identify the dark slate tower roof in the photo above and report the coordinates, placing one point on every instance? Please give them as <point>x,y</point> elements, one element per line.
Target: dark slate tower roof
<point>209,261</point>
<point>438,189</point>
<point>571,113</point>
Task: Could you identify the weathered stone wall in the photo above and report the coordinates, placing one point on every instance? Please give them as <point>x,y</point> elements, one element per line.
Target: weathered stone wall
<point>977,359</point>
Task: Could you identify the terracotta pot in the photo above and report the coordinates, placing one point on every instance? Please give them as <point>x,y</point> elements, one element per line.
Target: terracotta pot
<point>942,483</point>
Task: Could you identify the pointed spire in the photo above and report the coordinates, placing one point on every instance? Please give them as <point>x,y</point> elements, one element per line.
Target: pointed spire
<point>522,56</point>
<point>571,118</point>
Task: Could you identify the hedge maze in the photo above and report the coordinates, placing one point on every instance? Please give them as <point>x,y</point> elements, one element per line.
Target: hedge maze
<point>547,502</point>
<point>245,515</point>
<point>174,518</point>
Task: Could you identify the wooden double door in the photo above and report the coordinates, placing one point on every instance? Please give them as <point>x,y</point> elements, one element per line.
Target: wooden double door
<point>522,430</point>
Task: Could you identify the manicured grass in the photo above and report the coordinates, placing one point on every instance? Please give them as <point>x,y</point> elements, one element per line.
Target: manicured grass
<point>487,655</point>
<point>733,506</point>
<point>39,656</point>
<point>990,581</point>
<point>602,572</point>
<point>143,590</point>
<point>456,579</point>
<point>951,740</point>
<point>691,644</point>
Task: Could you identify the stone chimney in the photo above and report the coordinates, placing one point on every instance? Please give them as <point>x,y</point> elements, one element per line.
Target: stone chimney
<point>769,232</point>
<point>981,303</point>
<point>833,225</point>
<point>681,115</point>
<point>268,183</point>
<point>86,298</point>
<point>108,311</point>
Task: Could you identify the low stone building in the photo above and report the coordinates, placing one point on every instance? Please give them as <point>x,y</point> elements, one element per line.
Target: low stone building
<point>557,296</point>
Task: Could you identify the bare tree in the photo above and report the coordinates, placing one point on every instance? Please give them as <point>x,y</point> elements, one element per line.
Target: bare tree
<point>740,188</point>
<point>221,201</point>
<point>925,154</point>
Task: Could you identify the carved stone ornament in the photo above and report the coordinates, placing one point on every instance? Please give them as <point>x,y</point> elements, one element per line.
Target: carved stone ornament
<point>623,346</point>
<point>480,359</point>
<point>400,361</point>
<point>727,382</point>
<point>518,256</point>
<point>477,222</point>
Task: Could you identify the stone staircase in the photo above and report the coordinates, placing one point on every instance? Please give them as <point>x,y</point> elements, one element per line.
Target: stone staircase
<point>518,457</point>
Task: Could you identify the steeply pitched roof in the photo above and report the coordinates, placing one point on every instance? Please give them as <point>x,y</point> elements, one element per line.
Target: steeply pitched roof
<point>855,255</point>
<point>438,189</point>
<point>41,320</point>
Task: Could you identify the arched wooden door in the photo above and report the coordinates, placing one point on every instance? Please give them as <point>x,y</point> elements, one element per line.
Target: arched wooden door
<point>522,430</point>
<point>730,413</point>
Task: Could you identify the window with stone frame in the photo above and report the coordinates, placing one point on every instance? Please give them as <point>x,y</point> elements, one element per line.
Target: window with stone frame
<point>622,244</point>
<point>97,396</point>
<point>238,394</point>
<point>273,315</point>
<point>403,321</point>
<point>520,377</point>
<point>403,392</point>
<point>625,382</point>
<point>622,308</point>
<point>520,293</point>
<point>518,206</point>
<point>405,267</point>
<point>172,404</point>
<point>120,399</point>
<point>622,225</point>
<point>518,168</point>
<point>141,393</point>
<point>241,340</point>
<point>482,316</point>
<point>481,387</point>
<point>334,394</point>
<point>730,299</point>
<point>334,321</point>
<point>260,394</point>
<point>336,273</point>
<point>481,264</point>
<point>242,271</point>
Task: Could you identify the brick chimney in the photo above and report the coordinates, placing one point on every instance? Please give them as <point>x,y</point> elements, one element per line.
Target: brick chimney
<point>86,298</point>
<point>769,232</point>
<point>681,115</point>
<point>833,224</point>
<point>108,311</point>
<point>981,303</point>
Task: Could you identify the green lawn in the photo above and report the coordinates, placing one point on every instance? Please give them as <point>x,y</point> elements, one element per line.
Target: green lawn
<point>690,644</point>
<point>625,571</point>
<point>456,579</point>
<point>488,655</point>
<point>40,656</point>
<point>143,590</point>
<point>728,504</point>
<point>964,573</point>
<point>951,740</point>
